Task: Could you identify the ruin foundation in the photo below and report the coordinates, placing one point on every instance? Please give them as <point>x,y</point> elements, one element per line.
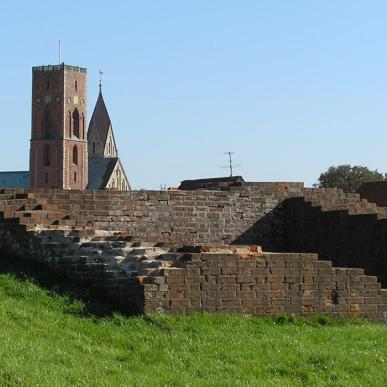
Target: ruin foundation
<point>252,248</point>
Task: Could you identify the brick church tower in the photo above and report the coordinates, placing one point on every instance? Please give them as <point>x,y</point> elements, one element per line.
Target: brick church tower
<point>58,153</point>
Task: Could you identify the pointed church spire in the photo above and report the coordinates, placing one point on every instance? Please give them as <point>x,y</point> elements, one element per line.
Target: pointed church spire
<point>100,132</point>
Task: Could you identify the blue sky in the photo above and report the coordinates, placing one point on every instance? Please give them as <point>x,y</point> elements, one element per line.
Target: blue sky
<point>291,87</point>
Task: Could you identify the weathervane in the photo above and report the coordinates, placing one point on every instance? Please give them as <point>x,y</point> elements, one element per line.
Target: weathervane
<point>100,79</point>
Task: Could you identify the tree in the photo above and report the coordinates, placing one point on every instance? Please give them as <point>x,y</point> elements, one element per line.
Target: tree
<point>347,177</point>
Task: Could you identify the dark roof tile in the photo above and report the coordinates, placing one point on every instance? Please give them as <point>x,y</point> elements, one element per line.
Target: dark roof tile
<point>100,120</point>
<point>17,179</point>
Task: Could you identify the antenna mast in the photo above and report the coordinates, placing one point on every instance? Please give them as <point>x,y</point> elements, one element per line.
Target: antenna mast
<point>60,52</point>
<point>230,160</point>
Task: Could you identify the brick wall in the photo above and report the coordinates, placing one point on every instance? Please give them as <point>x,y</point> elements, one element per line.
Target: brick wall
<point>252,214</point>
<point>52,226</point>
<point>264,284</point>
<point>349,240</point>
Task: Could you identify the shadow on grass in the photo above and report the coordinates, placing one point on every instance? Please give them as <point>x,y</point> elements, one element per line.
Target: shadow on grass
<point>57,284</point>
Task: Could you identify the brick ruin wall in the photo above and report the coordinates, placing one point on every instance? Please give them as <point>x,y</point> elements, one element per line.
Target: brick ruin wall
<point>347,239</point>
<point>253,214</point>
<point>265,284</point>
<point>54,225</point>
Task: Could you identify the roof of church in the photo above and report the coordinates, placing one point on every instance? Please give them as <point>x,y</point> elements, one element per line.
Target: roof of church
<point>100,170</point>
<point>100,120</point>
<point>16,179</point>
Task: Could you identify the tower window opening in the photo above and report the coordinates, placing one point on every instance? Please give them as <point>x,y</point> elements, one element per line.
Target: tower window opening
<point>47,124</point>
<point>76,85</point>
<point>82,126</point>
<point>75,177</point>
<point>93,147</point>
<point>46,178</point>
<point>76,123</point>
<point>75,155</point>
<point>69,124</point>
<point>48,85</point>
<point>46,156</point>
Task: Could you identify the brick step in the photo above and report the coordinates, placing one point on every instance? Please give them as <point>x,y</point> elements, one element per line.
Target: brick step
<point>103,242</point>
<point>63,222</point>
<point>40,214</point>
<point>34,206</point>
<point>83,259</point>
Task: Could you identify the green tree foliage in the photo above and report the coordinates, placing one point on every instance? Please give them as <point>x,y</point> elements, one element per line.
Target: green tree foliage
<point>347,177</point>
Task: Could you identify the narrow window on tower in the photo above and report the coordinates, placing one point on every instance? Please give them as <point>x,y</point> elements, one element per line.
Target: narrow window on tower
<point>94,148</point>
<point>46,155</point>
<point>76,85</point>
<point>46,178</point>
<point>48,85</point>
<point>75,177</point>
<point>68,124</point>
<point>75,155</point>
<point>76,123</point>
<point>47,124</point>
<point>82,126</point>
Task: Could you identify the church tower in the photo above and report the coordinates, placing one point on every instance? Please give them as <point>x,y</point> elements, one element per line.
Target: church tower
<point>58,152</point>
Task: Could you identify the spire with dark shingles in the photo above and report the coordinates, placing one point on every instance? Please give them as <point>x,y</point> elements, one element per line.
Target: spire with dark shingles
<point>100,121</point>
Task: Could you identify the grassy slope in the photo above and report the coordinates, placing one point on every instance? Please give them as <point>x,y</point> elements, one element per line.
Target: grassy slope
<point>48,340</point>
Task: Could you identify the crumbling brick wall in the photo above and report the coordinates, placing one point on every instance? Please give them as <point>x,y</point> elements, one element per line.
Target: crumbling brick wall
<point>358,240</point>
<point>265,284</point>
<point>250,214</point>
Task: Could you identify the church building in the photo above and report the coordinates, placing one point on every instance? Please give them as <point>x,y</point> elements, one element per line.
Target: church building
<point>63,154</point>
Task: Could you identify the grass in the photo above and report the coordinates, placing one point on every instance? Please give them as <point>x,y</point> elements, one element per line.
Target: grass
<point>48,339</point>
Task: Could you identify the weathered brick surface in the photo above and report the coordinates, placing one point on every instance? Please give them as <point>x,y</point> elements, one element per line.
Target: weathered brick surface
<point>59,227</point>
<point>352,233</point>
<point>254,215</point>
<point>264,284</point>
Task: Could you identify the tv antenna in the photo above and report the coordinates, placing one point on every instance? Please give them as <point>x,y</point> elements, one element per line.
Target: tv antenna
<point>230,165</point>
<point>60,52</point>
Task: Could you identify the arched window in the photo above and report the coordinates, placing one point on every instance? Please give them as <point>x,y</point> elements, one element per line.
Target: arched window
<point>76,85</point>
<point>75,177</point>
<point>75,155</point>
<point>46,155</point>
<point>82,126</point>
<point>76,123</point>
<point>118,173</point>
<point>47,124</point>
<point>68,123</point>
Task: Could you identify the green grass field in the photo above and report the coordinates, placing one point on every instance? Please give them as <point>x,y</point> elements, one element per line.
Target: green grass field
<point>48,339</point>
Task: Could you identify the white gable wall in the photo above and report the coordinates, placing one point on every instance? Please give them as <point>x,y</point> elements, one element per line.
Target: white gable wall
<point>110,145</point>
<point>118,179</point>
